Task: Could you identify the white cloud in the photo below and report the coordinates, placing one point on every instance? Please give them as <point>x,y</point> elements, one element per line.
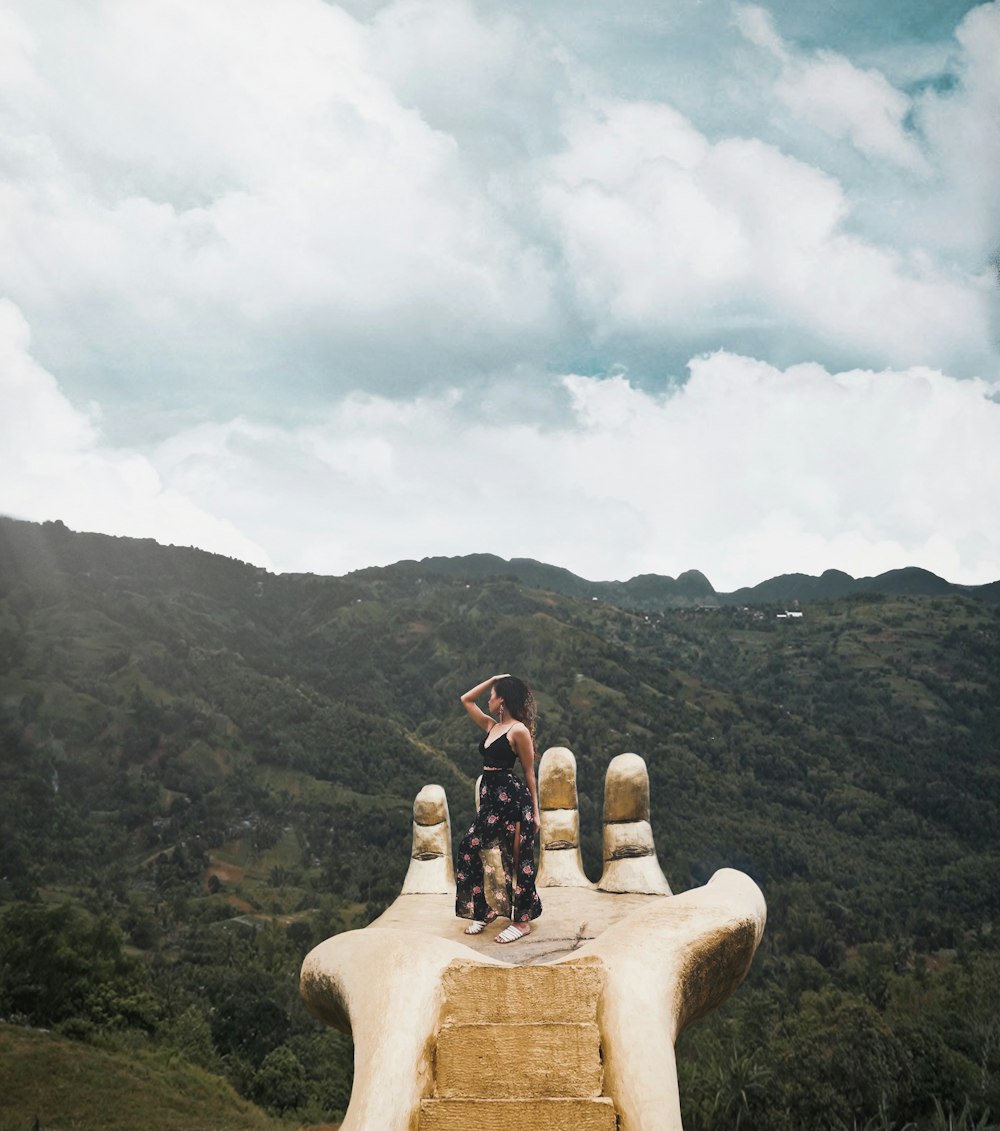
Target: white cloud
<point>745,472</point>
<point>671,237</point>
<point>479,73</point>
<point>931,182</point>
<point>802,469</point>
<point>249,205</point>
<point>53,464</point>
<point>962,126</point>
<point>757,25</point>
<point>860,105</point>
<point>834,95</point>
<point>239,170</point>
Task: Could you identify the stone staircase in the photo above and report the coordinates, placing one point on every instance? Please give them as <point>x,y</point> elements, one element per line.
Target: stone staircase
<point>518,1047</point>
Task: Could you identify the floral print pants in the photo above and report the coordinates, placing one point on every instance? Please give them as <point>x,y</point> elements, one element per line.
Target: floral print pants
<point>485,880</point>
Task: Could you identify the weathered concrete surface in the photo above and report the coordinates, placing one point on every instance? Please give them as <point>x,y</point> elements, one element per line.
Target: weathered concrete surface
<point>518,1115</point>
<point>431,870</point>
<point>630,863</point>
<point>527,1034</point>
<point>387,994</point>
<point>555,1060</point>
<point>570,917</point>
<point>626,789</point>
<point>666,965</point>
<point>560,863</point>
<point>567,992</point>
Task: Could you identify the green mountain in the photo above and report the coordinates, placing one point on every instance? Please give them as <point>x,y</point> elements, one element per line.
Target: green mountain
<point>655,593</point>
<point>833,583</point>
<point>206,768</point>
<point>647,591</point>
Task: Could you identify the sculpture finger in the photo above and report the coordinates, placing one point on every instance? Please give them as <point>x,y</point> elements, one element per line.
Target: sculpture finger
<point>431,870</point>
<point>560,862</point>
<point>630,863</point>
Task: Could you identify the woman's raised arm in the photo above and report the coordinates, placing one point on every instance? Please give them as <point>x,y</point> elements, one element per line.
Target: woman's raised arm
<point>478,716</point>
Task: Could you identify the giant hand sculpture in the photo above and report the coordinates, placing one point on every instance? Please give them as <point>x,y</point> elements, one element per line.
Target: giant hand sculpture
<point>570,1029</point>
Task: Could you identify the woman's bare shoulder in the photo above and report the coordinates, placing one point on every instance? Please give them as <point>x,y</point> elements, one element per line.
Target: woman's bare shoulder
<point>518,731</point>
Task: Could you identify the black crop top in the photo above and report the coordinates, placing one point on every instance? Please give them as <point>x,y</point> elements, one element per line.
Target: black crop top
<point>499,754</point>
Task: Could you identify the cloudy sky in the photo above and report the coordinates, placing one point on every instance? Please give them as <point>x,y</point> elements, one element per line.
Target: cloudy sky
<point>631,288</point>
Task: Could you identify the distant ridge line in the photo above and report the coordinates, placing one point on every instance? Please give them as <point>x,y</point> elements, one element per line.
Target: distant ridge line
<point>690,589</point>
<point>649,592</point>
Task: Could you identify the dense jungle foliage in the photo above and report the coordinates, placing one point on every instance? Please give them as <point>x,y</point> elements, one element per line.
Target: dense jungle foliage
<point>206,769</point>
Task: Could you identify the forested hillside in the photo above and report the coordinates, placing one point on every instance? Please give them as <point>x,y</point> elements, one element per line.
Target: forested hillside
<point>207,768</point>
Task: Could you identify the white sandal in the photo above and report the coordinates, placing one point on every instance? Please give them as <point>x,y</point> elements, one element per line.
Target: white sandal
<point>476,927</point>
<point>511,934</point>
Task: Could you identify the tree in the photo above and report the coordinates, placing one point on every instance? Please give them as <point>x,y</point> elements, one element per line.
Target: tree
<point>280,1082</point>
<point>57,963</point>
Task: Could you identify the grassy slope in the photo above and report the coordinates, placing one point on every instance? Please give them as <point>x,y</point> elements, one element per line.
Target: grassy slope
<point>69,1085</point>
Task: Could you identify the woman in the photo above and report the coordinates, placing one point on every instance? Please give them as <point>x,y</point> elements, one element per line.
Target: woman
<point>508,813</point>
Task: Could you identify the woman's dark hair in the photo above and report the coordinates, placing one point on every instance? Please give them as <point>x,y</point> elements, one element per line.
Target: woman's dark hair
<point>517,699</point>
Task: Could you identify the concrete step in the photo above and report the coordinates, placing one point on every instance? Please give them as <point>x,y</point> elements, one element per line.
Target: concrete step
<point>564,992</point>
<point>518,1115</point>
<point>498,1061</point>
